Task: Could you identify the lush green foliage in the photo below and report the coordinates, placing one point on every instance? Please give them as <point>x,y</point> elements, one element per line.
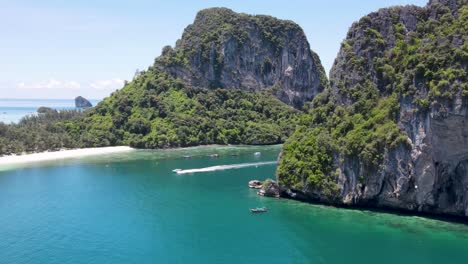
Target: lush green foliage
<point>41,132</point>
<point>364,130</point>
<point>158,111</point>
<point>427,63</point>
<point>357,117</point>
<point>308,161</point>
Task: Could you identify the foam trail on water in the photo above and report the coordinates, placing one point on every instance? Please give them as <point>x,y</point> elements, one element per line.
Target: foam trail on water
<point>226,167</point>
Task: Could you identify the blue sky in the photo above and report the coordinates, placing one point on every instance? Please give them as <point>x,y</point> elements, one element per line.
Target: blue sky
<point>61,49</point>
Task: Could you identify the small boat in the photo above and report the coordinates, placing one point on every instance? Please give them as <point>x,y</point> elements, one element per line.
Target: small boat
<point>187,157</point>
<point>259,210</point>
<point>257,153</point>
<point>176,170</point>
<point>214,155</point>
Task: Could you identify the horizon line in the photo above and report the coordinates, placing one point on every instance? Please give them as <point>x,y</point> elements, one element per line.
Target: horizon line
<point>7,98</point>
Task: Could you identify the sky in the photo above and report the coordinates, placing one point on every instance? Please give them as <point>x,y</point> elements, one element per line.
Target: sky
<point>59,49</point>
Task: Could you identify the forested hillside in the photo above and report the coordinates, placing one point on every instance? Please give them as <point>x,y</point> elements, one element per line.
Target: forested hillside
<point>159,111</point>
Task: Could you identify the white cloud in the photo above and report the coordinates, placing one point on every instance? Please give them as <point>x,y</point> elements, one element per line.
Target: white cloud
<point>61,89</point>
<point>107,85</point>
<point>50,84</point>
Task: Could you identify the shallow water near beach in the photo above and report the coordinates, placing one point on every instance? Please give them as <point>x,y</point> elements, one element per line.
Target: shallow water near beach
<point>131,208</point>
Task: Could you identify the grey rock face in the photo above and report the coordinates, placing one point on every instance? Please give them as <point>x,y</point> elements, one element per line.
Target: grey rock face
<point>429,175</point>
<point>429,172</point>
<point>225,49</point>
<point>342,72</point>
<point>81,102</point>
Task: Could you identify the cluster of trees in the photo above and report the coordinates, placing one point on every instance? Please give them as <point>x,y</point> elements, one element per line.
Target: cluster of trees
<point>434,57</point>
<point>427,63</point>
<point>158,111</point>
<point>41,132</point>
<point>328,131</point>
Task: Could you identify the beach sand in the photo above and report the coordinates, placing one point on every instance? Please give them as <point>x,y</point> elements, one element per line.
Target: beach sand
<point>62,154</point>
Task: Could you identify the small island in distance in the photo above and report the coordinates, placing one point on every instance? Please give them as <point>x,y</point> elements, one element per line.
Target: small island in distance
<point>81,102</point>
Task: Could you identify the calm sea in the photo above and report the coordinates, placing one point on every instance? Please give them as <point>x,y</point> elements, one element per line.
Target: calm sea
<point>12,110</point>
<point>131,208</point>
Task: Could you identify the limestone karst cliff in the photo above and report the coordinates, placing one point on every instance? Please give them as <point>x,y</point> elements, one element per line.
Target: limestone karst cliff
<point>392,131</point>
<point>224,49</point>
<point>231,79</point>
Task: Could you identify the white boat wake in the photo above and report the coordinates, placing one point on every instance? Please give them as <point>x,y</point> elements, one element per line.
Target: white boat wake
<point>224,167</point>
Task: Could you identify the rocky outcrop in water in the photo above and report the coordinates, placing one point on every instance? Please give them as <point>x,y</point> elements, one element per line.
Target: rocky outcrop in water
<point>269,188</point>
<point>224,49</point>
<point>397,133</point>
<point>81,102</point>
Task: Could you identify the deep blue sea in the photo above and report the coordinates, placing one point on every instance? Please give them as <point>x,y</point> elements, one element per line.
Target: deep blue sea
<point>12,110</point>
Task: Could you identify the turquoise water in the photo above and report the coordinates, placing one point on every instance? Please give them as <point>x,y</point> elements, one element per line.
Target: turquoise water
<point>131,208</point>
<point>12,110</point>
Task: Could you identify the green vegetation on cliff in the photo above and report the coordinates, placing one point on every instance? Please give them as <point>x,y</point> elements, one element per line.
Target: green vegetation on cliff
<point>254,53</point>
<point>214,26</point>
<point>158,111</point>
<point>411,54</point>
<point>307,161</point>
<point>223,83</point>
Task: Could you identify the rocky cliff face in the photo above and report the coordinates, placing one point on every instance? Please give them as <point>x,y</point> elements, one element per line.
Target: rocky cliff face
<point>413,59</point>
<point>224,49</point>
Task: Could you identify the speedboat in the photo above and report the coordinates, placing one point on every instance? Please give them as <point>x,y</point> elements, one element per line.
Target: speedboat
<point>176,170</point>
<point>259,210</point>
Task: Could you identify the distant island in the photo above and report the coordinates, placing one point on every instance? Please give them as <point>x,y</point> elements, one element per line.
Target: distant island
<point>81,102</point>
<point>388,128</point>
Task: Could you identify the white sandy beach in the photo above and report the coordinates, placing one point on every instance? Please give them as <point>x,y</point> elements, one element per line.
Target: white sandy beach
<point>62,154</point>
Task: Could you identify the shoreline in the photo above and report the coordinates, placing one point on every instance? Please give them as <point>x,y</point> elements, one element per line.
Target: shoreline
<point>85,152</point>
<point>61,154</point>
